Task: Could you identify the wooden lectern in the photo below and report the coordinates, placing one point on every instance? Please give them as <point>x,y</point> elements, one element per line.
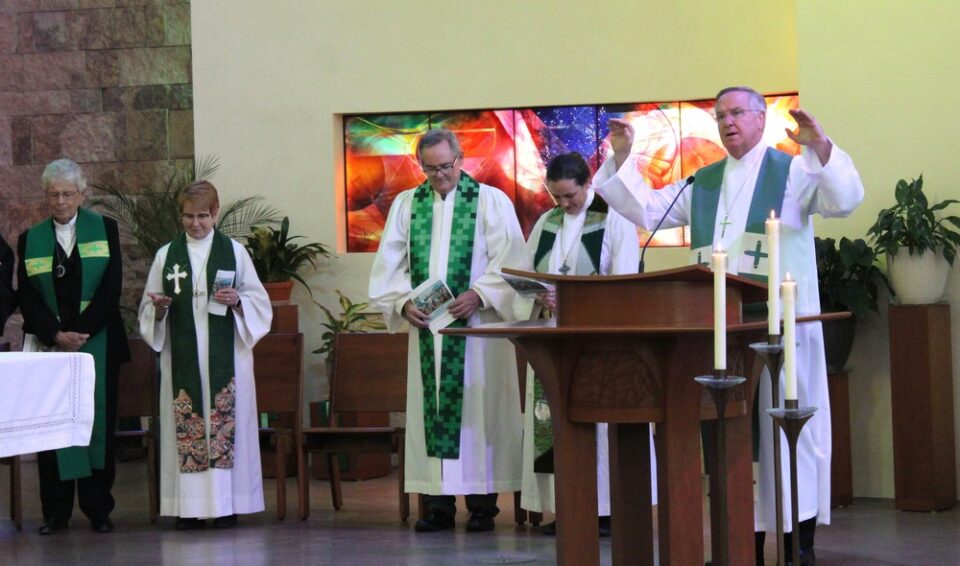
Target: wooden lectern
<point>625,350</point>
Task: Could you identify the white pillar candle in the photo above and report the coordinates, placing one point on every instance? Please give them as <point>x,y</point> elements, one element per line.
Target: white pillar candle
<point>789,290</point>
<point>773,275</point>
<point>719,265</point>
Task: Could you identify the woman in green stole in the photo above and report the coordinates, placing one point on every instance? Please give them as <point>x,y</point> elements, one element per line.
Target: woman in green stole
<point>70,275</point>
<point>204,309</point>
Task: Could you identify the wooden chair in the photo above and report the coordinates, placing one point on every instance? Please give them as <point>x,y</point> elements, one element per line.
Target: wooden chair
<point>138,396</point>
<point>16,497</point>
<point>278,371</point>
<point>369,374</point>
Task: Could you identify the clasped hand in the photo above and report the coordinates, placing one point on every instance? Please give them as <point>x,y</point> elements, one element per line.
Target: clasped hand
<point>462,307</point>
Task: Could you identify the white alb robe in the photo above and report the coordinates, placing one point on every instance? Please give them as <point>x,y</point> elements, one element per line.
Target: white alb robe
<point>490,437</point>
<point>619,255</point>
<point>214,492</point>
<point>832,190</point>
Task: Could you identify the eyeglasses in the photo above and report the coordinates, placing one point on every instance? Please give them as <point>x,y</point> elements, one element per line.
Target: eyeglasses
<point>65,195</point>
<point>202,217</point>
<point>444,168</point>
<point>736,114</point>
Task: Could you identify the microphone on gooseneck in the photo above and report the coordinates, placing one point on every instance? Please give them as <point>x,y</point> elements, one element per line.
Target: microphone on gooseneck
<point>662,218</point>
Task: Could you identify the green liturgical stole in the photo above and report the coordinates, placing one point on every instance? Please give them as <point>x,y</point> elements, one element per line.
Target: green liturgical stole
<point>77,461</point>
<point>591,240</point>
<point>767,196</point>
<point>443,403</point>
<point>196,454</point>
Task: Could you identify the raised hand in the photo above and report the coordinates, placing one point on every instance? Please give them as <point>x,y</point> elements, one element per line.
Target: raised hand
<point>621,139</point>
<point>810,134</point>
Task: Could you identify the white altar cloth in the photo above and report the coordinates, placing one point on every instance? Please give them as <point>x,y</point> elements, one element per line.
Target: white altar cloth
<point>46,401</point>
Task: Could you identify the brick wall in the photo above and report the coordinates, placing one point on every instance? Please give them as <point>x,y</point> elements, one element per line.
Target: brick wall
<point>106,83</point>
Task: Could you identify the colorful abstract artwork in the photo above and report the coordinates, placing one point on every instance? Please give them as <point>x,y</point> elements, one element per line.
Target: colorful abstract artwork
<point>509,149</point>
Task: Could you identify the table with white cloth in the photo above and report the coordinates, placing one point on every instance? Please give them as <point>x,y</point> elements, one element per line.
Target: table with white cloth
<point>46,401</point>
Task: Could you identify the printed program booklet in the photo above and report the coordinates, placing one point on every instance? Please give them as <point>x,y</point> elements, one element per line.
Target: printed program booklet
<point>527,286</point>
<point>433,298</point>
<point>221,280</point>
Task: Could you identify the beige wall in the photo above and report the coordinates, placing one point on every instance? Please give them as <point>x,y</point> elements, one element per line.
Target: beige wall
<point>882,76</point>
<point>271,78</point>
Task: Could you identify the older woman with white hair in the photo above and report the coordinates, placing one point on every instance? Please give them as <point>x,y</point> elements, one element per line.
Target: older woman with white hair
<point>70,275</point>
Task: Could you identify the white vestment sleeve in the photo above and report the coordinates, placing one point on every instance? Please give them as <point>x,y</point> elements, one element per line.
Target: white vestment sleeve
<point>621,236</point>
<point>154,332</point>
<point>390,286</point>
<point>503,239</point>
<point>627,192</point>
<point>833,190</point>
<point>257,315</point>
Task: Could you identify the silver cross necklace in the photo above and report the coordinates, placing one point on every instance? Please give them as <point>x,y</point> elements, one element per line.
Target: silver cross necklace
<point>728,203</point>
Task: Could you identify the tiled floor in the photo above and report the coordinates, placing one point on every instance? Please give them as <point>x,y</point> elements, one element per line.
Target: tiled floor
<point>367,531</point>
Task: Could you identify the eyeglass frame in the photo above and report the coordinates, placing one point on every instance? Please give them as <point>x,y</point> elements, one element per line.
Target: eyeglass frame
<point>429,170</point>
<point>736,114</point>
<point>56,196</point>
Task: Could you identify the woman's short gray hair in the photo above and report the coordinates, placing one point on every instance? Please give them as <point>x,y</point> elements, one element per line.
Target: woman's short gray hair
<point>63,170</point>
<point>436,137</point>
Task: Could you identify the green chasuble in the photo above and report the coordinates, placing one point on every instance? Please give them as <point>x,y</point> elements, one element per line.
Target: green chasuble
<point>195,453</point>
<point>443,405</point>
<point>77,461</point>
<point>767,196</point>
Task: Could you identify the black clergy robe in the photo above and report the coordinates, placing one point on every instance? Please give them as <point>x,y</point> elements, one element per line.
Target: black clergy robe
<point>8,302</point>
<point>56,497</point>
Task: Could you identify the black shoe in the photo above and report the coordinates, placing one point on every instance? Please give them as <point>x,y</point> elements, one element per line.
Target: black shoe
<point>188,524</point>
<point>480,522</point>
<point>549,529</point>
<point>603,525</point>
<point>433,522</point>
<point>53,526</point>
<point>104,526</point>
<point>807,558</point>
<point>226,522</point>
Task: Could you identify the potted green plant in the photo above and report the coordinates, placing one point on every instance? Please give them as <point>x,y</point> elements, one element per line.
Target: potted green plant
<point>278,259</point>
<point>920,247</point>
<point>353,317</point>
<point>849,277</point>
<point>152,215</point>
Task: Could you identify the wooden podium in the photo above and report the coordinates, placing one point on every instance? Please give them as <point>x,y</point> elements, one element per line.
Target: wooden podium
<point>625,350</point>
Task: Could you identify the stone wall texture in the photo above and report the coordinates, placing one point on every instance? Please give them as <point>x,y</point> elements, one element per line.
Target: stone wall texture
<point>106,83</point>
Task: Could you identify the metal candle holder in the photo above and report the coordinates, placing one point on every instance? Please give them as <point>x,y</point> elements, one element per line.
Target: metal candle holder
<point>719,384</point>
<point>791,419</point>
<point>771,352</point>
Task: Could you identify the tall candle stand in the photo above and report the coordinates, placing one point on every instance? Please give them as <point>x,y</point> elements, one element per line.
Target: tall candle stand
<point>771,352</point>
<point>719,384</point>
<point>791,419</point>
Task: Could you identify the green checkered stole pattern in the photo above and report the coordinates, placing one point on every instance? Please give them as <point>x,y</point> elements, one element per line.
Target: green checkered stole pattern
<point>588,263</point>
<point>77,461</point>
<point>443,404</point>
<point>767,196</point>
<point>195,453</point>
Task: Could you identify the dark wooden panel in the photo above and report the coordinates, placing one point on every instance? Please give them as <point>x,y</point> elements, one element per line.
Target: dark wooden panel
<point>921,386</point>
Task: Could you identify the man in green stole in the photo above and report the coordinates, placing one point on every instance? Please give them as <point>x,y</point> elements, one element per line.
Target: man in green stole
<point>70,275</point>
<point>463,410</point>
<point>727,207</point>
